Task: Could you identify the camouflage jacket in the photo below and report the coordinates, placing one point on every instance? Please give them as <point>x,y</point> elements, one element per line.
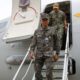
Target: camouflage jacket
<point>57,19</point>
<point>42,42</point>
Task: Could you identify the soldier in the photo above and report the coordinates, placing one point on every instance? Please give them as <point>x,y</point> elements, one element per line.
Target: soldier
<point>43,44</point>
<point>58,22</point>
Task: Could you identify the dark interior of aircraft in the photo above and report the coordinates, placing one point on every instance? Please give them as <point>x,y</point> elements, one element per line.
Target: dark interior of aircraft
<point>66,7</point>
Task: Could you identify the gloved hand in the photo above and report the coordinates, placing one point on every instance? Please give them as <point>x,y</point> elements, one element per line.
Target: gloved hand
<point>55,57</point>
<point>31,55</point>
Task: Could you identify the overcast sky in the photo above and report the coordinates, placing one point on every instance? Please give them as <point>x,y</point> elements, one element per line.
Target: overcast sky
<point>5,8</point>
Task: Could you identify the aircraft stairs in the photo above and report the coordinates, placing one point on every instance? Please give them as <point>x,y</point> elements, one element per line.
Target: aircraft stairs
<point>57,69</point>
<point>60,69</point>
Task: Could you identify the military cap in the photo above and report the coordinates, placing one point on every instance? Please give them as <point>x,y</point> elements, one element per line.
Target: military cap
<point>44,16</point>
<point>55,5</point>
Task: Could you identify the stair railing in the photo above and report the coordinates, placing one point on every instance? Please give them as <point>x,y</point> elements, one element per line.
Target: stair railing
<point>15,76</point>
<point>65,67</point>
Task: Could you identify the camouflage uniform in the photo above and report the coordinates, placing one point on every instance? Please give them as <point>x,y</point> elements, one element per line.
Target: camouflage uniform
<point>57,23</point>
<point>43,44</point>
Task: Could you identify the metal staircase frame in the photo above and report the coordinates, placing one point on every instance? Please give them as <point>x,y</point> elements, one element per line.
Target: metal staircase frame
<point>22,63</point>
<point>65,68</point>
<point>65,64</point>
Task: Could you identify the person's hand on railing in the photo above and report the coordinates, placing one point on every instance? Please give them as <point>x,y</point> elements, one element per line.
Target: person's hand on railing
<point>55,57</point>
<point>31,55</point>
<point>65,27</point>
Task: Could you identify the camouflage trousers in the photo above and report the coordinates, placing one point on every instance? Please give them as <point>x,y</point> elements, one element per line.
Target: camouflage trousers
<point>58,34</point>
<point>38,67</point>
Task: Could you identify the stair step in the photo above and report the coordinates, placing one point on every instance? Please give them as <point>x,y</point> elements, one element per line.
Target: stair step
<point>58,63</point>
<point>44,78</point>
<point>54,70</point>
<point>61,56</point>
<point>56,78</point>
<point>58,67</point>
<point>55,74</point>
<point>54,67</point>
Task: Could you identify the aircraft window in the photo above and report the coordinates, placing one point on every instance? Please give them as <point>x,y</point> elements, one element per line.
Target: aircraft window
<point>65,7</point>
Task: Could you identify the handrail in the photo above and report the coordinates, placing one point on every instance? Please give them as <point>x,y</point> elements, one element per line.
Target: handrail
<point>33,78</point>
<point>15,76</point>
<point>27,70</point>
<point>67,40</point>
<point>65,68</point>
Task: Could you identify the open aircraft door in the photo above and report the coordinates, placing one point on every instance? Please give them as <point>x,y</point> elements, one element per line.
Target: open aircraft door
<point>24,21</point>
<point>65,6</point>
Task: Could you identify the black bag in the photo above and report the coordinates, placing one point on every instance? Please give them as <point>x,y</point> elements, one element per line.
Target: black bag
<point>71,66</point>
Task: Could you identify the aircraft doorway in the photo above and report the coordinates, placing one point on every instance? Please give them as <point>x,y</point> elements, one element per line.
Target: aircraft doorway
<point>66,8</point>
